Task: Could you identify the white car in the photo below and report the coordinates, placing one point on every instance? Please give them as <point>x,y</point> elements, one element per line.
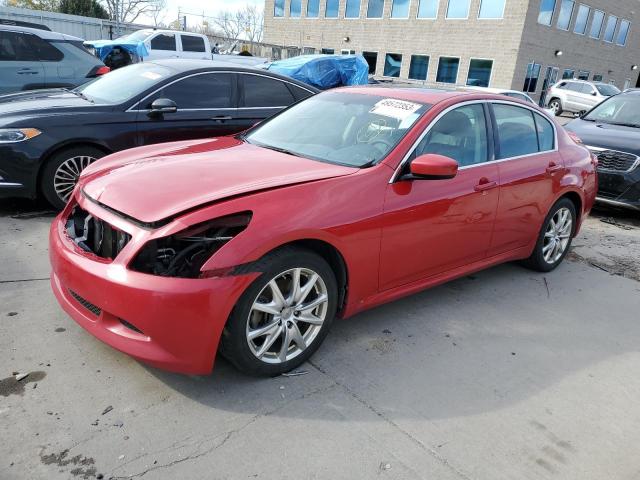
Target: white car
<point>171,44</point>
<point>577,96</point>
<point>510,93</point>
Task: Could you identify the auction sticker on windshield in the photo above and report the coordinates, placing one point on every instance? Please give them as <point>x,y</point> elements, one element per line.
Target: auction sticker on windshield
<point>398,109</point>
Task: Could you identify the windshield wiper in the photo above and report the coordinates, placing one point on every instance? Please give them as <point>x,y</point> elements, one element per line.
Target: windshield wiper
<point>277,149</point>
<point>80,94</point>
<point>623,124</point>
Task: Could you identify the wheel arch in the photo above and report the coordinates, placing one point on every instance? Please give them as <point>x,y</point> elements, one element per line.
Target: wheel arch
<point>578,203</point>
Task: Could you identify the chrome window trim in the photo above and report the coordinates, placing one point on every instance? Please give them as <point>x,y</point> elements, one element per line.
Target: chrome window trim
<point>133,109</point>
<point>396,172</point>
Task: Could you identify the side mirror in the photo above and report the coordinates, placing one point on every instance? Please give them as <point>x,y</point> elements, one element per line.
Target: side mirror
<point>433,167</point>
<point>163,105</point>
<point>595,94</point>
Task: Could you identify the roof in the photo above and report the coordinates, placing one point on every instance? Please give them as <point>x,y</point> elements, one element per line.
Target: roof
<point>45,34</point>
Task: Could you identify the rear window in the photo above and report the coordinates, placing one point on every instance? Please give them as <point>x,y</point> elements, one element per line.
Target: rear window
<point>25,47</point>
<point>191,43</point>
<point>265,92</point>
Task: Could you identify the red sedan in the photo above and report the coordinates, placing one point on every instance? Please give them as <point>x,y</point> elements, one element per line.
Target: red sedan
<point>253,244</point>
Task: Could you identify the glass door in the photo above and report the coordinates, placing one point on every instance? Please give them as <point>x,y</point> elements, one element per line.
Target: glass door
<point>550,78</point>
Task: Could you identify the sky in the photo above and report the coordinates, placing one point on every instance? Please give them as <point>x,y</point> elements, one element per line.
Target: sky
<point>209,7</point>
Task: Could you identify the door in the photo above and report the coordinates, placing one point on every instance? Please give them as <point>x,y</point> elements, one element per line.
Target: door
<point>19,65</point>
<point>589,97</point>
<point>530,171</point>
<point>432,226</point>
<point>163,45</point>
<point>573,97</point>
<point>207,107</point>
<point>262,97</point>
<point>193,46</point>
<point>550,78</point>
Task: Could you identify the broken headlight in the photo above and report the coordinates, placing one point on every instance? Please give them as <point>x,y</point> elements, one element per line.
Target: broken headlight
<point>183,254</point>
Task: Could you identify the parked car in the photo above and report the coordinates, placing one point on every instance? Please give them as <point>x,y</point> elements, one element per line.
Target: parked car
<point>612,132</point>
<point>33,58</point>
<point>509,93</point>
<point>48,137</point>
<point>349,199</point>
<point>578,96</point>
<point>150,45</point>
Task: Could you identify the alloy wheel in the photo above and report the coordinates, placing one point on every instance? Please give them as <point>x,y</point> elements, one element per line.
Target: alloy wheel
<point>557,235</point>
<point>287,315</point>
<point>67,174</point>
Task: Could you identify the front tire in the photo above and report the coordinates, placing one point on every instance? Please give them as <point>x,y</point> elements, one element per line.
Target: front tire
<point>61,173</point>
<point>284,315</point>
<point>555,237</point>
<point>556,105</point>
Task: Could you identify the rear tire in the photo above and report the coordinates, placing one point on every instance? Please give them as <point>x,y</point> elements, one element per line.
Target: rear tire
<point>556,105</point>
<point>554,240</point>
<point>269,333</point>
<point>62,170</point>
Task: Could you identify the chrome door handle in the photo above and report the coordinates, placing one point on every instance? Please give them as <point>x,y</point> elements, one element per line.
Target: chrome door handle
<point>222,118</point>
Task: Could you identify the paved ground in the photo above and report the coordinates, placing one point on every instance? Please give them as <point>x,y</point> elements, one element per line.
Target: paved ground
<point>505,374</point>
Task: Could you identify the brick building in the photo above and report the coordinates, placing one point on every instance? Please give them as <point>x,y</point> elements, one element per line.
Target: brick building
<point>518,44</point>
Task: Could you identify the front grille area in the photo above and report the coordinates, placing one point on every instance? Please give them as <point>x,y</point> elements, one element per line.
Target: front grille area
<point>86,304</point>
<point>612,160</point>
<point>94,235</point>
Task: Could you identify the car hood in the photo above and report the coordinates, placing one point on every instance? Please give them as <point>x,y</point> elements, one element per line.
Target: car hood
<point>614,137</point>
<point>151,184</point>
<point>40,101</point>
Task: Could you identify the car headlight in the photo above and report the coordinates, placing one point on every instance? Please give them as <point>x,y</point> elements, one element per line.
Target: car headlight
<point>15,135</point>
<point>184,253</point>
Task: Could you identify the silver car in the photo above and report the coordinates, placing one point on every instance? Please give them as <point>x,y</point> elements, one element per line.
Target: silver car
<point>577,96</point>
<point>31,58</point>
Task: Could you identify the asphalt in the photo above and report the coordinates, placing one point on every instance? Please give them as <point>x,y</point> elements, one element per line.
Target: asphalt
<point>505,374</point>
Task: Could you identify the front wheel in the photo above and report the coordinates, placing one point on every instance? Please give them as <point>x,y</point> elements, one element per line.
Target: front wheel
<point>555,237</point>
<point>556,106</point>
<point>284,315</point>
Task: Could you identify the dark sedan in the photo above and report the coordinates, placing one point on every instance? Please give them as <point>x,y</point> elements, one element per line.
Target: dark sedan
<point>47,137</point>
<point>612,132</point>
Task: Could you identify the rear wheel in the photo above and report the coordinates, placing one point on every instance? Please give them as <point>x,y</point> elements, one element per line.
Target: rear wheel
<point>62,171</point>
<point>556,105</point>
<point>284,316</point>
<point>555,237</point>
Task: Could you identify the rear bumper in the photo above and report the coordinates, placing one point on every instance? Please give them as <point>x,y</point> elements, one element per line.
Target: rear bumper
<point>171,323</point>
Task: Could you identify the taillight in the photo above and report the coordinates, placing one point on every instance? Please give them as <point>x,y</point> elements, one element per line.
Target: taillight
<point>575,138</point>
<point>97,71</point>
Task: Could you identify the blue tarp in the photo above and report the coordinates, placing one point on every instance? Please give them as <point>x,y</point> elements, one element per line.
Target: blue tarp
<point>324,71</point>
<point>105,47</point>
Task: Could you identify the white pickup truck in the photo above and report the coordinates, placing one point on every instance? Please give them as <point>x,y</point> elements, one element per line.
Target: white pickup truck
<point>172,44</point>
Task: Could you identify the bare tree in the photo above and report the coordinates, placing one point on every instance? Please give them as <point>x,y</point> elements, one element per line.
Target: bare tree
<point>128,11</point>
<point>229,23</point>
<point>248,22</point>
<point>253,20</point>
<point>158,12</point>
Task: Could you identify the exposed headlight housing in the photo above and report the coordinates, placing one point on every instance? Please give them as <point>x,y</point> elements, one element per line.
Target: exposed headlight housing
<point>15,135</point>
<point>183,254</point>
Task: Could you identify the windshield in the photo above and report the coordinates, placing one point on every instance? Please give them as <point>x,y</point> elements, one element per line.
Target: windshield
<point>138,36</point>
<point>124,83</point>
<point>340,127</point>
<point>621,109</point>
<point>607,90</point>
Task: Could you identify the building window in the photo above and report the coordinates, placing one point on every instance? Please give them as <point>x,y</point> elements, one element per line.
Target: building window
<point>331,8</point>
<point>400,9</point>
<point>278,8</point>
<point>623,33</point>
<point>458,9</point>
<point>596,24</point>
<point>327,51</point>
<point>547,8</point>
<point>479,72</point>
<point>276,53</point>
<point>581,20</point>
<point>308,50</point>
<point>353,9</point>
<point>374,10</point>
<point>627,84</point>
<point>313,8</point>
<point>295,8</point>
<point>491,9</point>
<point>448,70</point>
<point>346,51</point>
<point>372,60</point>
<point>531,79</point>
<point>392,64</point>
<point>568,74</point>
<point>419,67</point>
<point>583,75</point>
<point>428,9</point>
<point>610,31</point>
<point>597,77</point>
<point>566,12</point>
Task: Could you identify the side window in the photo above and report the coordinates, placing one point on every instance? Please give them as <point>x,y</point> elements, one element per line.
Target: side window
<point>299,93</point>
<point>43,50</point>
<point>546,134</point>
<point>211,90</point>
<point>8,46</point>
<point>25,47</point>
<point>164,41</point>
<point>191,43</point>
<point>460,134</point>
<point>588,89</point>
<point>516,131</point>
<point>265,92</point>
